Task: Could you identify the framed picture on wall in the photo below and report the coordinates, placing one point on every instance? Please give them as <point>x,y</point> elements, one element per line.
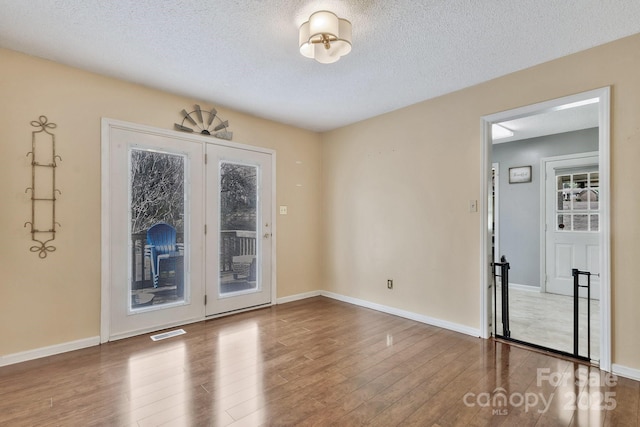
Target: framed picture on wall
<point>519,174</point>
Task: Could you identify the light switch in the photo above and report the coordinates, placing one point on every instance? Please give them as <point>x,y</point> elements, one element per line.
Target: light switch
<point>473,206</point>
<point>283,210</point>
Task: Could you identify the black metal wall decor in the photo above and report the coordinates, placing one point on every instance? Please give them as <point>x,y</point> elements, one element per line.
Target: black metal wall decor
<point>44,162</point>
<point>205,122</point>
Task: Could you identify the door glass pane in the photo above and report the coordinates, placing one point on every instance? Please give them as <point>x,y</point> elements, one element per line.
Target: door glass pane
<point>157,203</point>
<point>564,223</point>
<point>594,196</point>
<point>594,203</point>
<point>239,263</point>
<point>579,193</point>
<point>564,192</point>
<point>577,201</point>
<point>580,223</point>
<point>564,181</point>
<point>563,201</point>
<point>580,180</point>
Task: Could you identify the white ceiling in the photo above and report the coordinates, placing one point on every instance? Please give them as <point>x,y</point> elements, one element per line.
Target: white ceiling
<point>551,122</point>
<point>243,54</point>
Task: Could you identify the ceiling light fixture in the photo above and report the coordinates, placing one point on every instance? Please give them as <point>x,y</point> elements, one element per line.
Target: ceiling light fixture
<point>325,37</point>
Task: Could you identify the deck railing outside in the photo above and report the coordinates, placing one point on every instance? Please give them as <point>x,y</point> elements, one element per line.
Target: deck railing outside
<point>232,243</point>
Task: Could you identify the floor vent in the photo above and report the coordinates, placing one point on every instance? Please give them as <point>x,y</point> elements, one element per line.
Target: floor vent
<point>166,335</point>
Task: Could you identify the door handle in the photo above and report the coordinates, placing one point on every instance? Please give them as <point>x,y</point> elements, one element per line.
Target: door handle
<point>267,235</point>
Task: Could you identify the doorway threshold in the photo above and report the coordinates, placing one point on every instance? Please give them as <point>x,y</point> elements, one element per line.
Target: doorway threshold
<point>545,350</point>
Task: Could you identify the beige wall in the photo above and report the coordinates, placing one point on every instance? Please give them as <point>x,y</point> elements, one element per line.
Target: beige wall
<point>395,194</point>
<point>55,300</point>
<point>397,190</point>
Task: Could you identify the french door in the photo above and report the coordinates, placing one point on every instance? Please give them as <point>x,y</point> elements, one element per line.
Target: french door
<point>186,228</point>
<point>239,229</point>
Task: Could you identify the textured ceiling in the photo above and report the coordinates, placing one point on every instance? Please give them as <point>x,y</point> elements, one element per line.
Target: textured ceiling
<point>243,54</point>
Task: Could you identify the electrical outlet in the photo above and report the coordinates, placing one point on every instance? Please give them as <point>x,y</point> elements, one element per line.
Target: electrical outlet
<point>389,284</point>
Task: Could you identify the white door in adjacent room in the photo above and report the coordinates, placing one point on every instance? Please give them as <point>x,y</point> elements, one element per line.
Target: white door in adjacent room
<point>572,224</point>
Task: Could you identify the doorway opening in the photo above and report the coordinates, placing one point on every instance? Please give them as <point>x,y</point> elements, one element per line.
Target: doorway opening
<point>550,202</point>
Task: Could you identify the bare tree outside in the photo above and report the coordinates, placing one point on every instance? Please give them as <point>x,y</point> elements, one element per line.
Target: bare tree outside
<point>238,197</point>
<point>157,190</point>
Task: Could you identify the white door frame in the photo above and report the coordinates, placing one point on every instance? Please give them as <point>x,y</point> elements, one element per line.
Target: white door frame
<point>543,208</point>
<point>107,126</point>
<point>603,95</point>
<point>496,211</point>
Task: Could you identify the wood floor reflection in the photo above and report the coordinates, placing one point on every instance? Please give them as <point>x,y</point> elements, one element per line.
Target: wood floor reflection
<point>312,362</point>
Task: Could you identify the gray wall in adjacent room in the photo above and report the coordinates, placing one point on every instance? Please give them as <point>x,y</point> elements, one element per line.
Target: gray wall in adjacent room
<point>519,213</point>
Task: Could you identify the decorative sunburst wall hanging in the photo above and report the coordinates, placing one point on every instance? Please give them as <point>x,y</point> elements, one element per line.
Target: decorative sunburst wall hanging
<point>205,122</point>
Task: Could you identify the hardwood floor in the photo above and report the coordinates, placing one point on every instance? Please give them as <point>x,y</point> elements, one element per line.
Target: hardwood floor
<point>312,362</point>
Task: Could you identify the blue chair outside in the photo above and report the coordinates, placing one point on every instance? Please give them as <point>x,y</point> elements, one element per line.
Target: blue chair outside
<point>161,239</point>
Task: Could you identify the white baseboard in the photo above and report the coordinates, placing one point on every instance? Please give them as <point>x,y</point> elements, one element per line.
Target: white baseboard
<point>24,356</point>
<point>406,314</point>
<point>297,297</point>
<point>527,288</point>
<point>51,350</point>
<point>626,372</point>
<point>142,331</point>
